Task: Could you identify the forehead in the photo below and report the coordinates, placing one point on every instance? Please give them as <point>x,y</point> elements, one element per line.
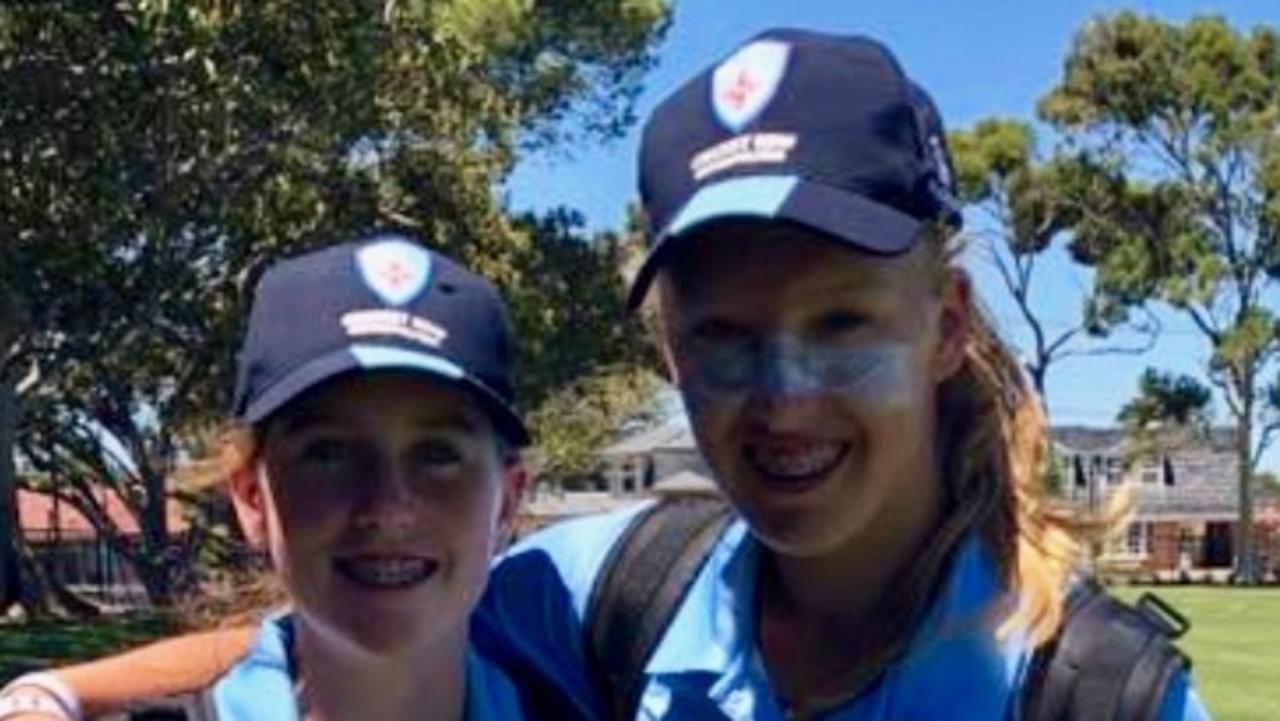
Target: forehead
<point>745,262</point>
<point>385,400</point>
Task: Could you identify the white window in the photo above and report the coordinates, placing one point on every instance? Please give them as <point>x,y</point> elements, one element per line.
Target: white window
<point>1138,539</point>
<point>1152,472</point>
<point>1115,471</point>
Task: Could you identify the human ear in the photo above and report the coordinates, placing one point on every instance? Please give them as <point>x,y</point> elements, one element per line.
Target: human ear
<point>515,482</point>
<point>248,497</point>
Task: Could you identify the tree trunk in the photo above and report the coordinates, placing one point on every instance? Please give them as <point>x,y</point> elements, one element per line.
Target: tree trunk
<point>10,532</point>
<point>157,580</point>
<point>157,567</point>
<point>1245,571</point>
<point>1038,372</point>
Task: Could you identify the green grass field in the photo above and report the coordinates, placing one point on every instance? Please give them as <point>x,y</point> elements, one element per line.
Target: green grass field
<point>1234,645</point>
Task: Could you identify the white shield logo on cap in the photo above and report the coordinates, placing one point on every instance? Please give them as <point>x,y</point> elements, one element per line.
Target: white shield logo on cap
<point>395,270</point>
<point>745,83</point>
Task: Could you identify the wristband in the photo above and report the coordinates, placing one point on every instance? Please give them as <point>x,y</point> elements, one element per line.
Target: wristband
<point>64,701</point>
<point>18,703</point>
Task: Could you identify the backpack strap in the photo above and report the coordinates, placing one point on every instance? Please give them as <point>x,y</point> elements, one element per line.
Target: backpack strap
<point>1110,662</point>
<point>193,706</point>
<point>644,579</point>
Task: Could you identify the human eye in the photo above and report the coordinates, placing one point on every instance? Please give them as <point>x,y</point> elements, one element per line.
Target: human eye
<point>438,454</point>
<point>837,325</point>
<point>718,335</point>
<point>327,452</point>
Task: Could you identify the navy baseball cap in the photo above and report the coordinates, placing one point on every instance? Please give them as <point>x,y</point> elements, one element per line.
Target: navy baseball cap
<point>822,130</point>
<point>383,302</point>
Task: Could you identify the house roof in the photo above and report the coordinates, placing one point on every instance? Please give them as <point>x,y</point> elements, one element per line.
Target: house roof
<point>673,432</point>
<point>1204,471</point>
<point>39,515</point>
<point>1113,440</point>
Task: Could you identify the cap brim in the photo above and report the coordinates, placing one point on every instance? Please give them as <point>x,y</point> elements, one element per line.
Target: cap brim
<point>371,357</point>
<point>854,219</point>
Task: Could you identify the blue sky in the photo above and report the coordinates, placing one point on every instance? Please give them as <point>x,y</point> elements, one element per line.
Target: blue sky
<point>977,58</point>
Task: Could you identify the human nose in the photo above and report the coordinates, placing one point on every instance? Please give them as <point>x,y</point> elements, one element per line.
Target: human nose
<point>783,395</point>
<point>782,371</point>
<point>387,503</point>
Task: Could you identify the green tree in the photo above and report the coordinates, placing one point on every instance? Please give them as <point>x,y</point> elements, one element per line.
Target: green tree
<point>596,365</point>
<point>1176,126</point>
<point>156,155</point>
<point>1267,483</point>
<point>1024,208</point>
<point>1167,398</point>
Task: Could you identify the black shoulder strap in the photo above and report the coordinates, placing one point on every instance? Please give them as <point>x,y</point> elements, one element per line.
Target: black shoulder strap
<point>645,577</point>
<point>1110,662</point>
<point>194,706</point>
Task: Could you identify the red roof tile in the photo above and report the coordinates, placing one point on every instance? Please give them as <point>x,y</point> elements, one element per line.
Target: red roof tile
<point>36,516</point>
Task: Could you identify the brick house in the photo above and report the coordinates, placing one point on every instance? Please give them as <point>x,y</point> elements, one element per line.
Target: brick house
<point>1184,490</point>
<point>72,551</point>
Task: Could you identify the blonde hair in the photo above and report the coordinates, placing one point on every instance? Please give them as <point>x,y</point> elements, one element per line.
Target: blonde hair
<point>995,452</point>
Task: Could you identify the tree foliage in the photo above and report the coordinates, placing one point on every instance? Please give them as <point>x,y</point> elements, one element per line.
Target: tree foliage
<point>155,155</point>
<point>1173,130</point>
<point>1167,398</point>
<point>1026,205</point>
<point>594,364</point>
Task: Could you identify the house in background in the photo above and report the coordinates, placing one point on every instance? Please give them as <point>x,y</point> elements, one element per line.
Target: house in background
<point>660,460</point>
<point>1185,494</point>
<point>638,462</point>
<point>72,551</point>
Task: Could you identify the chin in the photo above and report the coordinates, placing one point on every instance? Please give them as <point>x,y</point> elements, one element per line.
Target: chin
<point>388,626</point>
<point>823,525</point>
<point>800,537</point>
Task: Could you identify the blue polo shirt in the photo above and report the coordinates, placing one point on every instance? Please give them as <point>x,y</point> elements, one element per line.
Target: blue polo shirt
<point>260,687</point>
<point>706,665</point>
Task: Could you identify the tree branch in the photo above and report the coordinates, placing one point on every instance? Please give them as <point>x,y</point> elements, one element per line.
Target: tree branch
<point>1202,321</point>
<point>1005,273</point>
<point>1061,341</point>
<point>1265,437</point>
<point>1228,394</point>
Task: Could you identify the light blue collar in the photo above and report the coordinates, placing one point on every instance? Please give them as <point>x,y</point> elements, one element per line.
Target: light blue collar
<point>953,655</point>
<point>260,686</point>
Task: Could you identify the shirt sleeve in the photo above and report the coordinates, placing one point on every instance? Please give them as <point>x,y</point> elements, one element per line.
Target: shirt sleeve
<point>1182,702</point>
<point>530,620</point>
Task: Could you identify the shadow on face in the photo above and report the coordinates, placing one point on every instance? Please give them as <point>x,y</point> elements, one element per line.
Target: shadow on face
<point>810,371</point>
<point>380,497</point>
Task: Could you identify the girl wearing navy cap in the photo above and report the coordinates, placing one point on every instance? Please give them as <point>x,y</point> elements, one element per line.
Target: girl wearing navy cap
<point>373,458</point>
<point>895,556</point>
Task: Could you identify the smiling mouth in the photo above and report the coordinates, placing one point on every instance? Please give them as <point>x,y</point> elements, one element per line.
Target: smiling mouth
<point>385,573</point>
<point>795,465</point>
